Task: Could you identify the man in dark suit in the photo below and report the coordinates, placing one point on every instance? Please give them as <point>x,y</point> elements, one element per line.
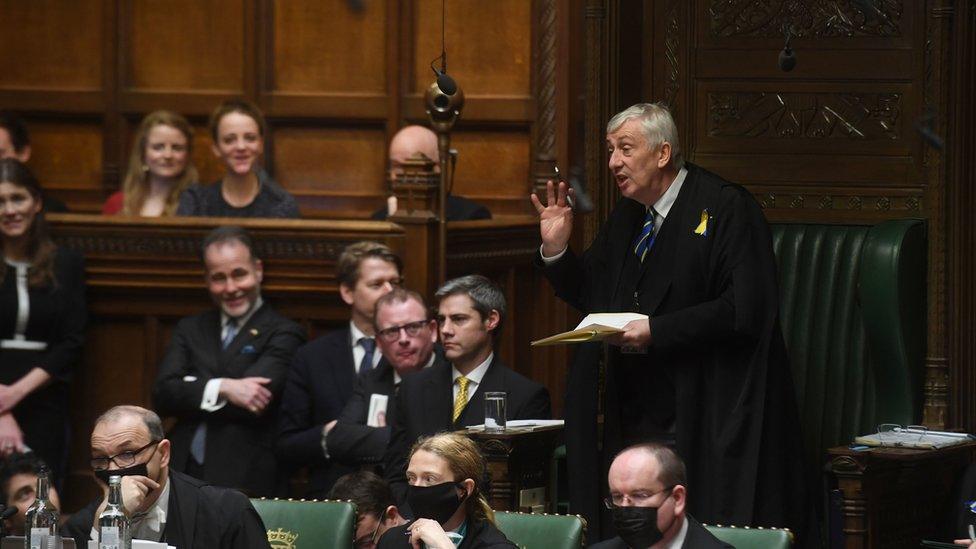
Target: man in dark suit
<point>224,371</point>
<point>707,371</point>
<point>648,501</point>
<point>450,395</point>
<point>323,372</point>
<point>406,335</point>
<point>406,144</point>
<point>162,504</point>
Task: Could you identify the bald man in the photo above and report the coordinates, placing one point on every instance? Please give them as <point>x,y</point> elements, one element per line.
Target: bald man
<point>414,139</point>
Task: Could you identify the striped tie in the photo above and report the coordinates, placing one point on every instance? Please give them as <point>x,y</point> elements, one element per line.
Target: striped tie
<point>646,237</point>
<point>461,400</point>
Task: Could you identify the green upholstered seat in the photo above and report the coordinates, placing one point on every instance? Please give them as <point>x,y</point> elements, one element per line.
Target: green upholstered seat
<point>313,524</point>
<point>753,538</point>
<point>540,531</point>
<point>853,315</point>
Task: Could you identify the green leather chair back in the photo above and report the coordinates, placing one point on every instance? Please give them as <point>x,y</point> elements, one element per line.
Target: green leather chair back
<point>753,538</point>
<point>295,524</point>
<point>852,309</point>
<point>541,531</point>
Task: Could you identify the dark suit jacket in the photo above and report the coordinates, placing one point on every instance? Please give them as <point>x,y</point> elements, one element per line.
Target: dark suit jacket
<point>696,538</point>
<point>717,352</point>
<point>199,516</point>
<point>481,535</point>
<point>457,208</point>
<point>320,381</point>
<point>425,404</point>
<point>351,441</point>
<point>263,347</point>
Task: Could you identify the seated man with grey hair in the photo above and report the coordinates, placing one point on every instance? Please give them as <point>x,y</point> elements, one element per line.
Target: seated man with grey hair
<point>163,504</point>
<point>450,395</point>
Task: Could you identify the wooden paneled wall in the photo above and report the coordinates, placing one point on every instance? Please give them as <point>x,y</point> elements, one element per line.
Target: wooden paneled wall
<point>835,140</point>
<point>335,81</point>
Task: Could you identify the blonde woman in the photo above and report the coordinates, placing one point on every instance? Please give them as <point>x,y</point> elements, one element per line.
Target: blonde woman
<point>159,168</point>
<point>445,475</point>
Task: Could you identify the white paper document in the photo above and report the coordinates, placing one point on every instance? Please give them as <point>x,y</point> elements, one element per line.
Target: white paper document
<point>377,406</point>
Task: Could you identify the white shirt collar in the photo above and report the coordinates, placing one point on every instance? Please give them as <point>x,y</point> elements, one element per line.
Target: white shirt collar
<point>477,374</point>
<point>241,320</point>
<point>357,334</point>
<point>663,204</point>
<point>396,375</point>
<point>679,540</point>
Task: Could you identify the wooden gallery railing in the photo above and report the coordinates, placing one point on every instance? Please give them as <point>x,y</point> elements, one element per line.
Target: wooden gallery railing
<point>143,275</point>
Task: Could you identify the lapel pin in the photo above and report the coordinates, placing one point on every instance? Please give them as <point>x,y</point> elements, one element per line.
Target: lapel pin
<point>702,228</point>
<point>254,331</point>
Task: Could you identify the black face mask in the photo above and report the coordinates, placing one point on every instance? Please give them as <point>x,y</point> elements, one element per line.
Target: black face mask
<point>139,469</point>
<point>637,526</point>
<point>438,502</point>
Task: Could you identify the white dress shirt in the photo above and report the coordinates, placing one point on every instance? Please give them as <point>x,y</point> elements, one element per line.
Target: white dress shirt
<point>357,350</point>
<point>474,378</point>
<point>211,391</point>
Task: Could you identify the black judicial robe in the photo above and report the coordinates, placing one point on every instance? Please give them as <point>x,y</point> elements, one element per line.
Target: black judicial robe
<point>716,346</point>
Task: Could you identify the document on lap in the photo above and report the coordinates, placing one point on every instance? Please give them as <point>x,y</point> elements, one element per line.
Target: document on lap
<point>594,327</point>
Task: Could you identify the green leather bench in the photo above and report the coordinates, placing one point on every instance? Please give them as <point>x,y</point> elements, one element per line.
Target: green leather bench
<point>542,531</point>
<point>753,538</point>
<point>295,524</point>
<point>852,307</point>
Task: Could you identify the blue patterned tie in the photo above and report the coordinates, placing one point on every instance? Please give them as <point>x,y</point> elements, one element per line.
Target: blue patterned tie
<point>646,237</point>
<point>369,345</point>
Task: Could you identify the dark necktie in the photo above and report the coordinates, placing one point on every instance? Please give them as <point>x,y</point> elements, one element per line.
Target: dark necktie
<point>198,444</point>
<point>646,237</point>
<point>369,345</point>
<point>230,333</point>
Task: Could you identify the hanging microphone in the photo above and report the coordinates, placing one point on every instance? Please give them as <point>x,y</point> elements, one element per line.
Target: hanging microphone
<point>445,83</point>
<point>787,59</point>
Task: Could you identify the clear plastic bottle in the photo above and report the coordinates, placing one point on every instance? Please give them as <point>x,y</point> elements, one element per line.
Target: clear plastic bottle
<point>41,531</point>
<point>113,525</point>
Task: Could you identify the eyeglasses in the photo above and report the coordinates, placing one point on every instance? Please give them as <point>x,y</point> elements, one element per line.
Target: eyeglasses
<point>122,459</point>
<point>637,499</point>
<point>392,333</point>
<point>368,541</point>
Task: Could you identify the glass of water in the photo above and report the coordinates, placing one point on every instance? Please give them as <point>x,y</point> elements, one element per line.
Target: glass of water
<point>495,411</point>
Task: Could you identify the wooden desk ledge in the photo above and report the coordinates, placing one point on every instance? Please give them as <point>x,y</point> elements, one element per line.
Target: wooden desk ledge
<point>787,530</point>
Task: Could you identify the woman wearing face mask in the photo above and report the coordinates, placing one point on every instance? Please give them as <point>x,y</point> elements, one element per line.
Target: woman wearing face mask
<point>159,168</point>
<point>42,323</point>
<point>445,474</point>
<point>246,190</point>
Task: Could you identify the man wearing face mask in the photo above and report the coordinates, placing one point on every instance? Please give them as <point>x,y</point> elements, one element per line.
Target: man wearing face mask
<point>648,501</point>
<point>165,505</point>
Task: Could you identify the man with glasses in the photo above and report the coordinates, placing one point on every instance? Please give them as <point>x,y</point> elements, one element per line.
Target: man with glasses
<point>165,505</point>
<point>375,510</point>
<point>648,501</point>
<point>323,372</point>
<point>224,371</point>
<point>406,336</point>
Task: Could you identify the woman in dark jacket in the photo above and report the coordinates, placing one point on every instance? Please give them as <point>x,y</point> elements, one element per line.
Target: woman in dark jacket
<point>445,476</point>
<point>42,323</point>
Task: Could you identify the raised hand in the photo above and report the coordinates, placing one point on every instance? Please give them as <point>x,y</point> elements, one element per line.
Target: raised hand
<point>11,437</point>
<point>555,218</point>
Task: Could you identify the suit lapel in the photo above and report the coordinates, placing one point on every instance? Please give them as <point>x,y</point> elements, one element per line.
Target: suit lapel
<point>438,400</point>
<point>183,505</point>
<point>344,372</point>
<point>623,235</point>
<point>474,410</point>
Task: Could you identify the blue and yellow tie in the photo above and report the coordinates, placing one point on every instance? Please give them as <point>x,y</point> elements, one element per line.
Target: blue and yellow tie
<point>646,237</point>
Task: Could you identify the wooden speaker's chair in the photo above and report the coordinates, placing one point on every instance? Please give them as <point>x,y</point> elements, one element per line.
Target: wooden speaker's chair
<point>542,531</point>
<point>312,524</point>
<point>753,538</point>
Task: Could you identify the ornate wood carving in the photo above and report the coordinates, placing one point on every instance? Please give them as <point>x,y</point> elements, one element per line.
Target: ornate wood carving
<point>796,199</point>
<point>864,116</point>
<point>596,89</point>
<point>819,19</point>
<point>545,79</point>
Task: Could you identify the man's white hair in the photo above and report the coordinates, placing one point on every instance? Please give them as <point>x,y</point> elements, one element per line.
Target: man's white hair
<point>657,125</point>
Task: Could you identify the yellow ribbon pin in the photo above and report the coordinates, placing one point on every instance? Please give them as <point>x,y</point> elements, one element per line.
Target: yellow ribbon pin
<point>702,228</point>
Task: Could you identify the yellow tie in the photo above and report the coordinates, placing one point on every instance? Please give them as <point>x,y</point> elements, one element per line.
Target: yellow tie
<point>462,397</point>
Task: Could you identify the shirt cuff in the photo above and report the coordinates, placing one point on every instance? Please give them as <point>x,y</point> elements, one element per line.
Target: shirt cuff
<point>325,445</point>
<point>211,396</point>
<point>553,259</point>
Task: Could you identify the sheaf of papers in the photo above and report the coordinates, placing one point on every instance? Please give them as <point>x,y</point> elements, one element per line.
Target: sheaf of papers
<point>594,327</point>
<point>527,424</point>
<point>914,438</point>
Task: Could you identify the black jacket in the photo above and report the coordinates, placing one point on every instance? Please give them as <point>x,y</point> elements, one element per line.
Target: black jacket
<point>320,381</point>
<point>425,404</point>
<point>457,208</point>
<point>480,535</point>
<point>696,538</point>
<point>263,347</point>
